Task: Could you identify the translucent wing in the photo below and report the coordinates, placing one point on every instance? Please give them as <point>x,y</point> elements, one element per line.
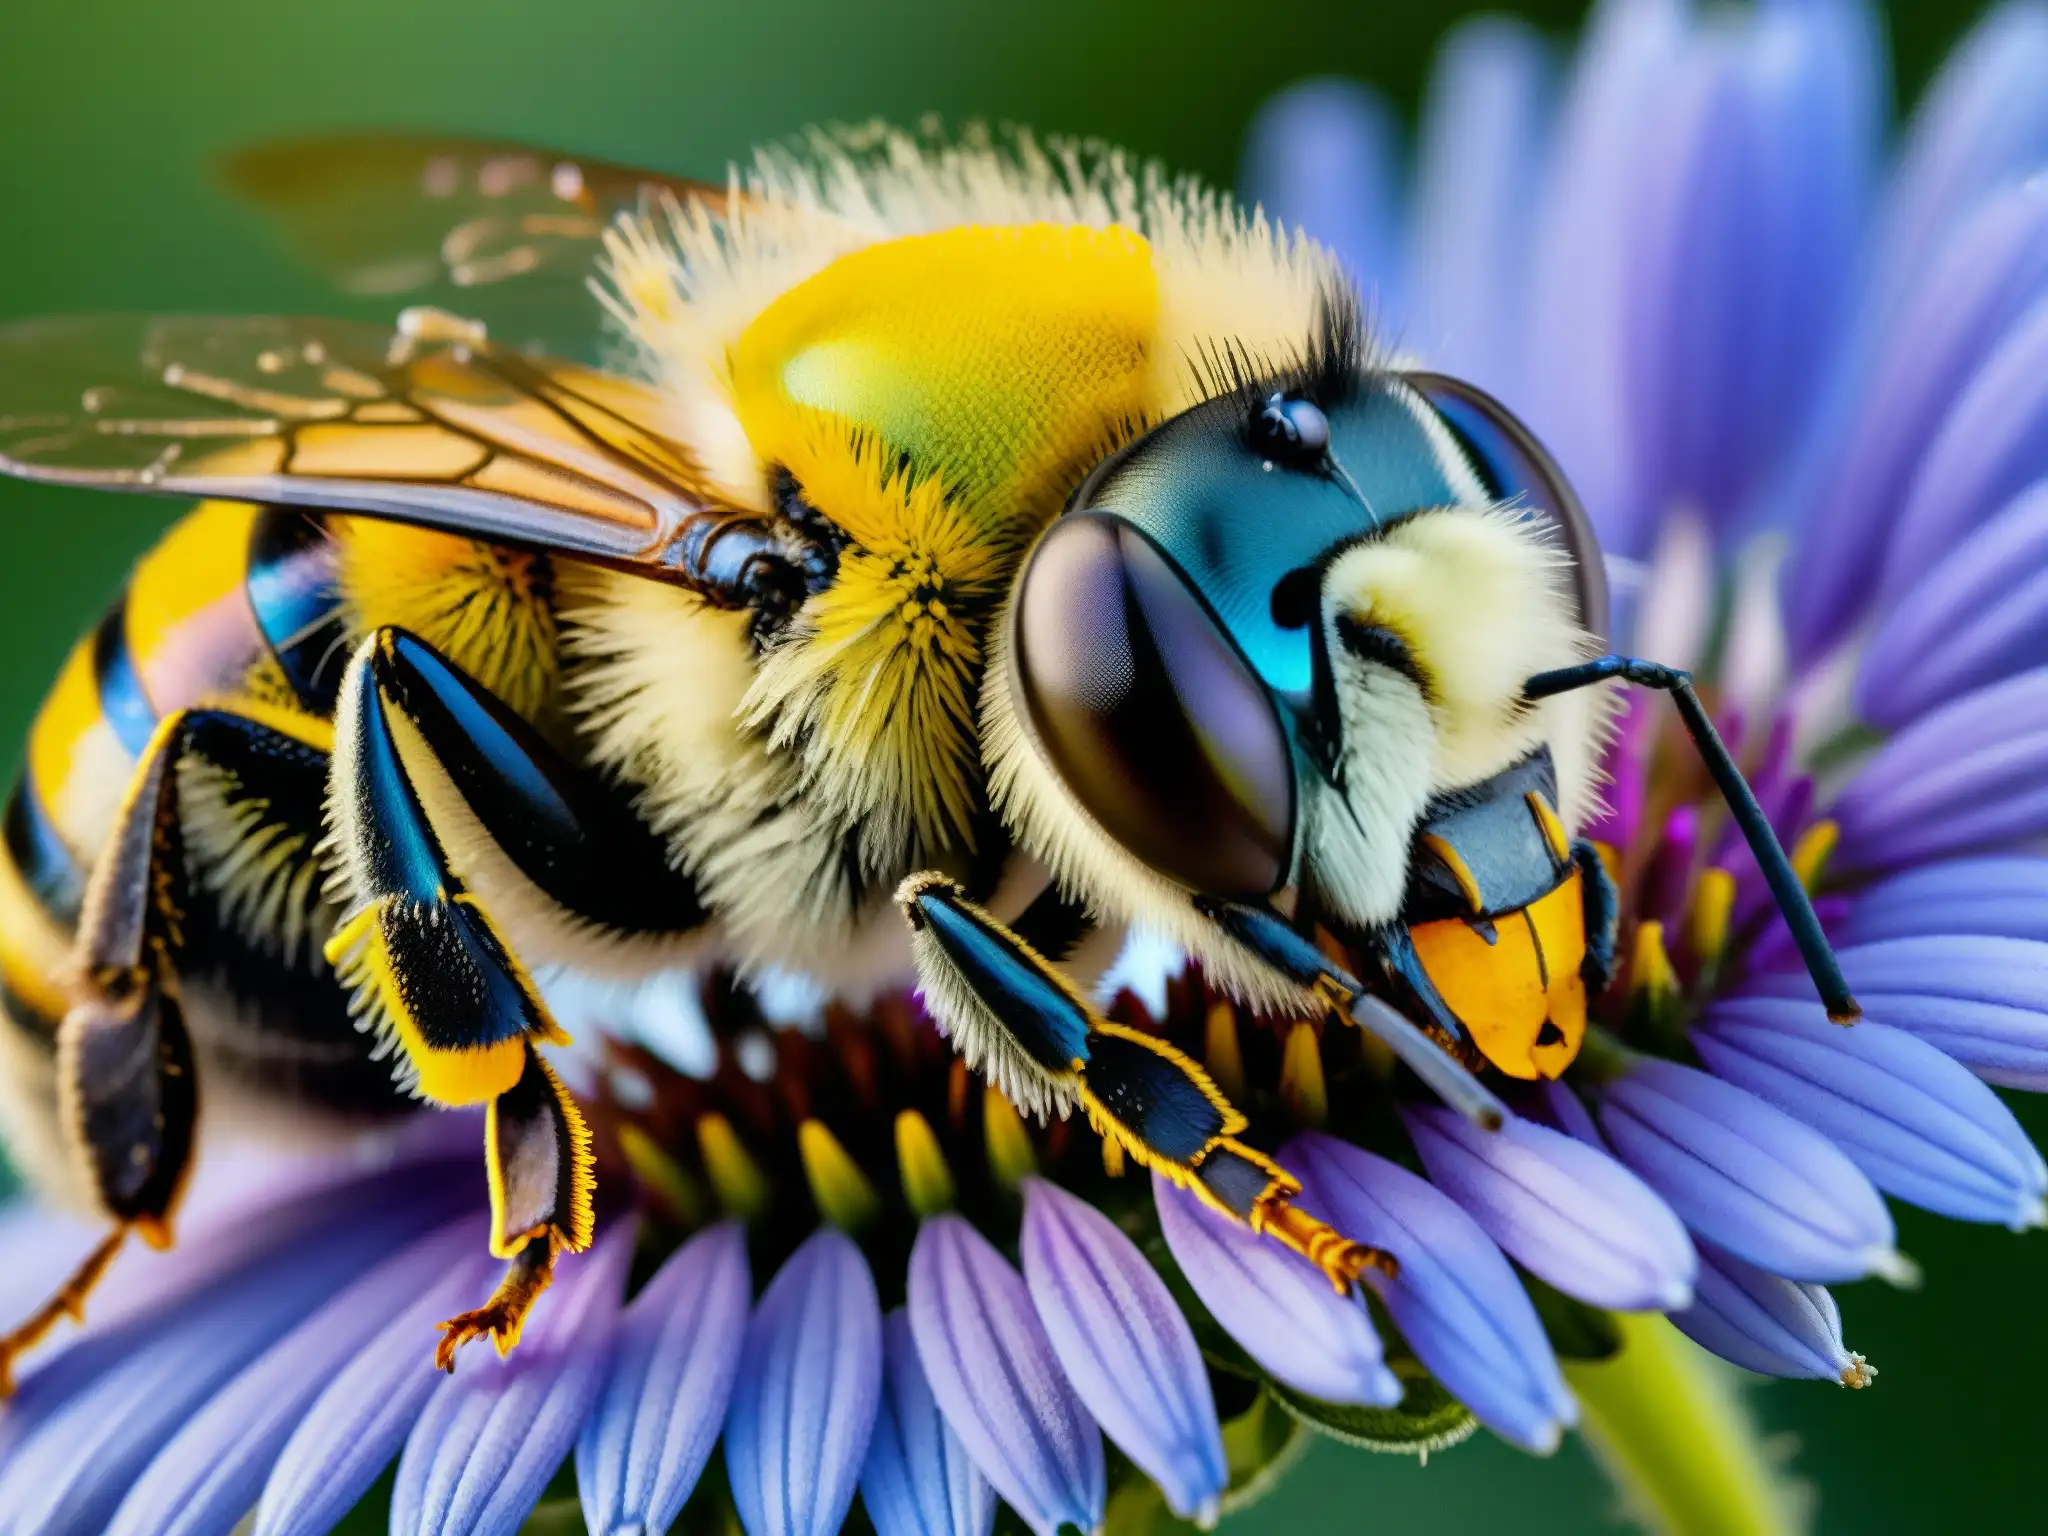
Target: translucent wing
<point>503,231</point>
<point>427,424</point>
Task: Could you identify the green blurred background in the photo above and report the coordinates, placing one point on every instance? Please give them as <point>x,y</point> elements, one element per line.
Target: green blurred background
<point>110,111</point>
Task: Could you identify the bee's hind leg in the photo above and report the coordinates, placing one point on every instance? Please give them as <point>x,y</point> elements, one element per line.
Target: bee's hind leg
<point>1015,1019</point>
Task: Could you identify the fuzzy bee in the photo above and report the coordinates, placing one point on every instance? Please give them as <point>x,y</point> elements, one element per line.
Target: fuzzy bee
<point>912,563</point>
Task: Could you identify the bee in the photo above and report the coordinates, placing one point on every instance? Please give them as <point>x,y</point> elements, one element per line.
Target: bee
<point>908,563</point>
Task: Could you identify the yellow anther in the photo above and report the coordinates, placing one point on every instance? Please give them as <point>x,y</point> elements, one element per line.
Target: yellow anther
<point>736,1178</point>
<point>1010,1156</point>
<point>1706,921</point>
<point>1810,854</point>
<point>927,1180</point>
<point>1112,1157</point>
<point>663,1177</point>
<point>839,1189</point>
<point>1302,1088</point>
<point>1222,1052</point>
<point>1654,998</point>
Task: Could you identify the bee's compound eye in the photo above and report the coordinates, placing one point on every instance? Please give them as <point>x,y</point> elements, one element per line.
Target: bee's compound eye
<point>1291,431</point>
<point>1146,710</point>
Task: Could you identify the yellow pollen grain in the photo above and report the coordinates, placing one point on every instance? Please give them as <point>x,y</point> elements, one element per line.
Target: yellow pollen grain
<point>1010,1156</point>
<point>921,1162</point>
<point>1708,917</point>
<point>1810,854</point>
<point>1222,1051</point>
<point>840,1190</point>
<point>1652,979</point>
<point>737,1179</point>
<point>1112,1157</point>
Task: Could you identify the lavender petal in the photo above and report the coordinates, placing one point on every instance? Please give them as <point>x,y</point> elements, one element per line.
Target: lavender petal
<point>366,1409</point>
<point>919,1479</point>
<point>1917,1123</point>
<point>1766,1323</point>
<point>994,1375</point>
<point>674,1358</point>
<point>1996,896</point>
<point>1971,774</point>
<point>810,1380</point>
<point>1983,1001</point>
<point>213,1470</point>
<point>1278,1308</point>
<point>1455,1299</point>
<point>1125,1347</point>
<point>1747,1176</point>
<point>1567,1213</point>
<point>492,1437</point>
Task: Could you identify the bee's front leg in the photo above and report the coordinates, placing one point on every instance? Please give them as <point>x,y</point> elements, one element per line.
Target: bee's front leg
<point>1015,1019</point>
<point>424,760</point>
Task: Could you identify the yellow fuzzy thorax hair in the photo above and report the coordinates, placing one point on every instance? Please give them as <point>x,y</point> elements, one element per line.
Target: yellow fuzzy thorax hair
<point>929,346</point>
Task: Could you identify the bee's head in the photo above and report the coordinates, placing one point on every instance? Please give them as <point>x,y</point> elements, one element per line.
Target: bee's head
<point>1267,633</point>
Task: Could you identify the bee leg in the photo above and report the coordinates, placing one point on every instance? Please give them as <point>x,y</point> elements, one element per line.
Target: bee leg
<point>1266,934</point>
<point>1603,916</point>
<point>537,1157</point>
<point>426,762</point>
<point>127,1080</point>
<point>1015,1019</point>
<point>1786,887</point>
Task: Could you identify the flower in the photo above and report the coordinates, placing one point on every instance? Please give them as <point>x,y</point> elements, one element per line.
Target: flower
<point>1803,395</point>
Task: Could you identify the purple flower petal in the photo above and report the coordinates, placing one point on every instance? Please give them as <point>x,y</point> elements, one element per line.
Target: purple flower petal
<point>1998,896</point>
<point>102,1411</point>
<point>1483,136</point>
<point>494,1435</point>
<point>1971,774</point>
<point>1125,1346</point>
<point>919,1479</point>
<point>1985,275</point>
<point>1748,1176</point>
<point>810,1379</point>
<point>1983,1001</point>
<point>1455,1300</point>
<point>212,1471</point>
<point>1323,158</point>
<point>1565,1212</point>
<point>1982,123</point>
<point>674,1357</point>
<point>1916,1122</point>
<point>1766,1323</point>
<point>366,1409</point>
<point>1278,1307</point>
<point>995,1377</point>
<point>1979,616</point>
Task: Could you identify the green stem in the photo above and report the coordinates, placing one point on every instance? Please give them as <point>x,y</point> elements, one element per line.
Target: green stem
<point>1663,1418</point>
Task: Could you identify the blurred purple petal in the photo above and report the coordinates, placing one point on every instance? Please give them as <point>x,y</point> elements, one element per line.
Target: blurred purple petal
<point>1987,273</point>
<point>1982,124</point>
<point>1766,1323</point>
<point>1483,140</point>
<point>1323,157</point>
<point>1917,1123</point>
<point>1554,1104</point>
<point>919,1479</point>
<point>994,1375</point>
<point>1995,896</point>
<point>493,1436</point>
<point>366,1409</point>
<point>85,1426</point>
<point>1278,1307</point>
<point>1570,1215</point>
<point>1584,236</point>
<point>810,1379</point>
<point>1983,1001</point>
<point>1971,774</point>
<point>1992,445</point>
<point>1455,1300</point>
<point>1125,1346</point>
<point>213,1470</point>
<point>1753,189</point>
<point>675,1354</point>
<point>1748,1176</point>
